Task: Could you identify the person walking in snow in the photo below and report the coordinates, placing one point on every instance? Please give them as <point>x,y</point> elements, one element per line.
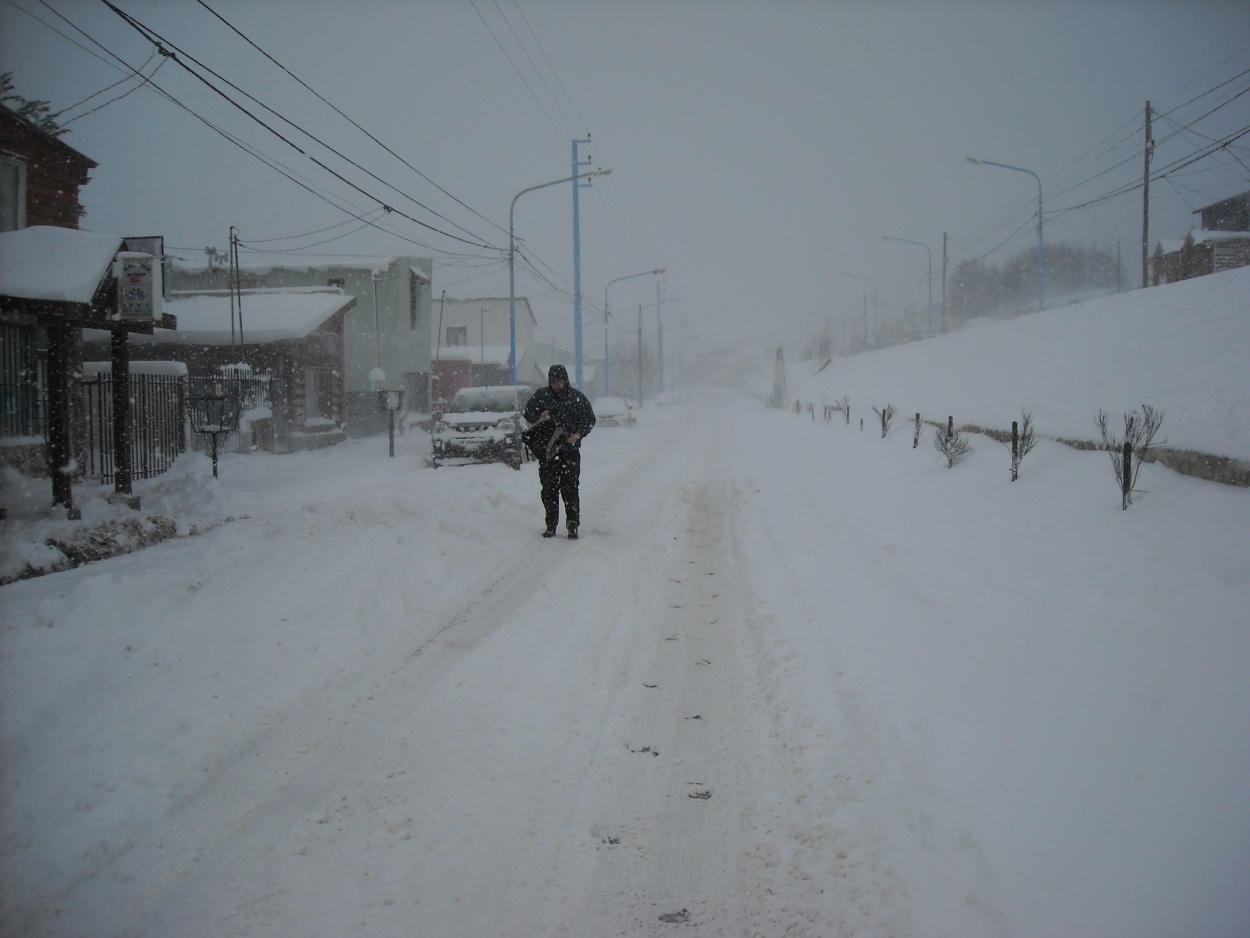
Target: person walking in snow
<point>569,418</point>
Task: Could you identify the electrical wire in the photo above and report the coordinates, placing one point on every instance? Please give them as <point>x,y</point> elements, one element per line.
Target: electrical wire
<point>146,80</point>
<point>177,56</point>
<point>321,98</point>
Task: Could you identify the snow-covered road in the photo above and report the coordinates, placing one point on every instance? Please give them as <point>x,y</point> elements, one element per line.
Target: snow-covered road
<point>793,679</point>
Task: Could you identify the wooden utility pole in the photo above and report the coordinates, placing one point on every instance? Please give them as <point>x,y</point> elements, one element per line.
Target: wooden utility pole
<point>1145,205</point>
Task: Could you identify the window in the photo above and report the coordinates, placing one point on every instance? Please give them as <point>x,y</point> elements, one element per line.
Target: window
<point>457,335</point>
<point>12,194</point>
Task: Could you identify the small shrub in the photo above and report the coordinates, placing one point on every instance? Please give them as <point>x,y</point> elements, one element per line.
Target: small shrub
<point>886,414</point>
<point>1128,452</point>
<point>1023,440</point>
<point>951,443</point>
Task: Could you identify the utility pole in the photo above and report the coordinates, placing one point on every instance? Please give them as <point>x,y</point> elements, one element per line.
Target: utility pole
<point>865,322</point>
<point>1145,205</point>
<point>944,260</point>
<point>577,259</point>
<point>659,328</point>
<point>640,356</point>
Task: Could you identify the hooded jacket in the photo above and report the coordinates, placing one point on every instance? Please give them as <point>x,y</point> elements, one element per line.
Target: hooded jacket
<point>570,409</point>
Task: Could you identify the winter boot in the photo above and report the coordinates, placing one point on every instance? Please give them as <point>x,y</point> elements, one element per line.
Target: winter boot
<point>573,532</point>
<point>550,532</point>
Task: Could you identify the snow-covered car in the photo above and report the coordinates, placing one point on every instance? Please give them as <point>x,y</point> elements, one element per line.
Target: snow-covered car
<point>613,412</point>
<point>482,424</point>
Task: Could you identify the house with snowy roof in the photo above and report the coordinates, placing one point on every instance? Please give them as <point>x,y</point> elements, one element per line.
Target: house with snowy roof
<point>387,334</point>
<point>294,337</point>
<point>1222,243</point>
<point>474,345</point>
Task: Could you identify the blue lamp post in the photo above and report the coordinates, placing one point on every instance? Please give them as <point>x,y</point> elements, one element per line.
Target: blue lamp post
<point>1041,256</point>
<point>512,257</point>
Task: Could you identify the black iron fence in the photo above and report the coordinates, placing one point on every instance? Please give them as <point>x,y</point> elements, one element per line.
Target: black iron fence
<point>158,422</point>
<point>160,419</point>
<point>250,393</point>
<point>23,407</point>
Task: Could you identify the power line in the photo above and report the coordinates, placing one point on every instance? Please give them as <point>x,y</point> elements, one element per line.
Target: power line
<point>343,115</point>
<point>161,42</point>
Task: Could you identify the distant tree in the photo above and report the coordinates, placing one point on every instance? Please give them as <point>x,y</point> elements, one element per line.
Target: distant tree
<point>38,113</point>
<point>978,289</point>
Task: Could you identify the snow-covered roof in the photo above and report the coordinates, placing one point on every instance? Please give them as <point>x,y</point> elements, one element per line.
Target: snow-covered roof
<point>1201,237</point>
<point>56,264</point>
<point>254,265</point>
<point>480,355</point>
<point>175,369</point>
<point>268,316</point>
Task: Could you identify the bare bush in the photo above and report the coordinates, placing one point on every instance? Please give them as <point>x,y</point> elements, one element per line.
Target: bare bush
<point>951,443</point>
<point>1129,451</point>
<point>886,414</point>
<point>1023,439</point>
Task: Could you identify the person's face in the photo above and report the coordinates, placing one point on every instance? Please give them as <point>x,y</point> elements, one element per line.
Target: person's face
<point>557,384</point>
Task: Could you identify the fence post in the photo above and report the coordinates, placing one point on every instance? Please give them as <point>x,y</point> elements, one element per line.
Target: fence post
<point>915,440</point>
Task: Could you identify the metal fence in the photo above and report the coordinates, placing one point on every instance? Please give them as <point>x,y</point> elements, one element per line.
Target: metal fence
<point>23,408</point>
<point>250,391</point>
<point>158,422</point>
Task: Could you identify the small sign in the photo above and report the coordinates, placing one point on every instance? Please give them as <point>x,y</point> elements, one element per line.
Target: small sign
<point>138,286</point>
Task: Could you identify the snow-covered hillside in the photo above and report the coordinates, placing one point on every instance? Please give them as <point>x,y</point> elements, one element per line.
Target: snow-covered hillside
<point>1182,347</point>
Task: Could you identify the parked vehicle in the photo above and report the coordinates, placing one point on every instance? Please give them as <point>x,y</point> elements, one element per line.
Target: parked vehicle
<point>613,412</point>
<point>482,424</point>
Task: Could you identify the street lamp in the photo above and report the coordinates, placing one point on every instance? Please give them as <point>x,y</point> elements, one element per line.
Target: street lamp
<point>512,257</point>
<point>607,383</point>
<point>930,253</point>
<point>1041,256</point>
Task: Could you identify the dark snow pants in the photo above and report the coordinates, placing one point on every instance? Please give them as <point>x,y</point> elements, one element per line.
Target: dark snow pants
<point>560,477</point>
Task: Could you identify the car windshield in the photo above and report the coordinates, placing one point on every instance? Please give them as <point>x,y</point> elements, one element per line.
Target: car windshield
<point>484,401</point>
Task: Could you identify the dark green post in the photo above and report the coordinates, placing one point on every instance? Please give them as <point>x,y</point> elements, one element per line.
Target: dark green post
<point>1127,498</point>
<point>1015,450</point>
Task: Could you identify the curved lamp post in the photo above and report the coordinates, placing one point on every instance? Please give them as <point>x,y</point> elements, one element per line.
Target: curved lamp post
<point>930,253</point>
<point>512,257</point>
<point>607,373</point>
<point>1041,256</point>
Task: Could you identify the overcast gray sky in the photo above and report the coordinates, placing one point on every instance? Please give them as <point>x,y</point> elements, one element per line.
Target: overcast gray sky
<point>759,151</point>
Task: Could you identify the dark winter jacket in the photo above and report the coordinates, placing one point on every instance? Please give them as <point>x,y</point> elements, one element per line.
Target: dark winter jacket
<point>570,409</point>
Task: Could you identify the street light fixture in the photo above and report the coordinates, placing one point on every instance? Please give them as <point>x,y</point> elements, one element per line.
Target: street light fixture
<point>512,257</point>
<point>607,373</point>
<point>930,253</point>
<point>1041,256</point>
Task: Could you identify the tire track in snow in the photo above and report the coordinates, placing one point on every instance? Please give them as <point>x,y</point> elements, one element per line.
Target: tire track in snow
<point>674,810</point>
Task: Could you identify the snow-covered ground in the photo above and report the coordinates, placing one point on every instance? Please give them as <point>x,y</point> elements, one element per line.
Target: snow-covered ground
<point>795,679</point>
